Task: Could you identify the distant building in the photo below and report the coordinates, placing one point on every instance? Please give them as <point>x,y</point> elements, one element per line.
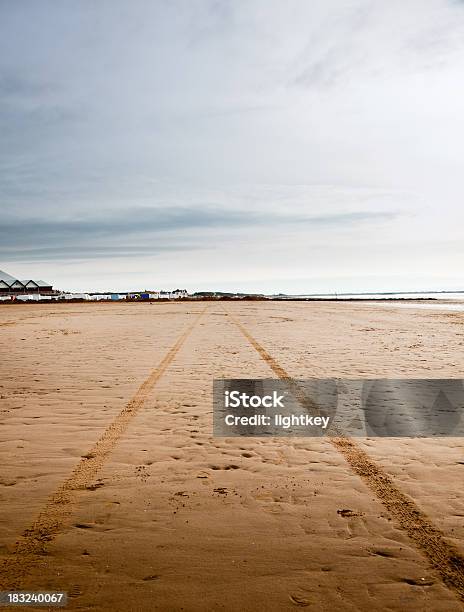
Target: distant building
<point>159,295</point>
<point>179,293</point>
<point>13,286</point>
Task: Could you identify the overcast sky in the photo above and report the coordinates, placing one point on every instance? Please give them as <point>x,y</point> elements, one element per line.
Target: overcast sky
<point>277,146</point>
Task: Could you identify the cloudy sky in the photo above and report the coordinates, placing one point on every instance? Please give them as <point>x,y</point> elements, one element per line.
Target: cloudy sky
<point>247,145</point>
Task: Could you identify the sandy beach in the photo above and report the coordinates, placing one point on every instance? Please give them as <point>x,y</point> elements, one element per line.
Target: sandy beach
<point>113,489</point>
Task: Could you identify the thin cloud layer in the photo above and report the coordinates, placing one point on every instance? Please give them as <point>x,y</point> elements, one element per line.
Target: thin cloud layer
<point>147,231</point>
<point>163,131</point>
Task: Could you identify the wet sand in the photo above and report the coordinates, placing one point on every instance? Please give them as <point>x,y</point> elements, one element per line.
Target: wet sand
<point>107,459</point>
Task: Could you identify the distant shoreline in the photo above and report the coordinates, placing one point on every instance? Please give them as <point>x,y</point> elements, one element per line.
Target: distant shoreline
<point>250,298</point>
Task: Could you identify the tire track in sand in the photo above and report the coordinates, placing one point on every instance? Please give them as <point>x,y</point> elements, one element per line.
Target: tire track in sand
<point>428,539</point>
<point>31,547</point>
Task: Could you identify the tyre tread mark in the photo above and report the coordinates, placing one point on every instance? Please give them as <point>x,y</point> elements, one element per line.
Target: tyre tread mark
<point>31,547</point>
<point>428,539</point>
